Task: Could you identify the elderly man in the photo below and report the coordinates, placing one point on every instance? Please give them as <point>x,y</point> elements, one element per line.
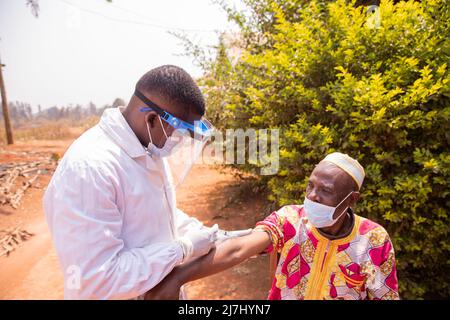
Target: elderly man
<point>326,250</point>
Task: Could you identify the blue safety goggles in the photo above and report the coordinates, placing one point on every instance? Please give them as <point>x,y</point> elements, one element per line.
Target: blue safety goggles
<point>199,129</point>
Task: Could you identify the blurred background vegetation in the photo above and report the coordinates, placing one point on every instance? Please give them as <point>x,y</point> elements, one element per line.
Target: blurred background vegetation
<point>52,123</point>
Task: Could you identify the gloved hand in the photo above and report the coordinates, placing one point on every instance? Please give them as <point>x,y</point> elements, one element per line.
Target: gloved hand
<point>223,235</point>
<point>198,242</point>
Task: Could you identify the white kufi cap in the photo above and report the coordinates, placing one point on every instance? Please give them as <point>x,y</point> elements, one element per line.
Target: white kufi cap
<point>349,165</point>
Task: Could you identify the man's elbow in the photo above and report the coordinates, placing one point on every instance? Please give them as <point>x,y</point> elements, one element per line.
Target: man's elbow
<point>237,251</point>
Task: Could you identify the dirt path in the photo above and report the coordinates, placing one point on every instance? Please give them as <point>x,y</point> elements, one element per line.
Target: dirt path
<point>32,270</point>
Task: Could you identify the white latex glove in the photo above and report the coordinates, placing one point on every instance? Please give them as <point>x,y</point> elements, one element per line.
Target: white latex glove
<point>223,235</point>
<point>198,242</point>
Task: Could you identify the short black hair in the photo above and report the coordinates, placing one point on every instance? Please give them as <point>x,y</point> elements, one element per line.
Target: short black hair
<point>174,84</point>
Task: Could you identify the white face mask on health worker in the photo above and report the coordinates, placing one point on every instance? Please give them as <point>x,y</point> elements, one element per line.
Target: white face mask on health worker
<point>321,215</point>
<point>169,145</point>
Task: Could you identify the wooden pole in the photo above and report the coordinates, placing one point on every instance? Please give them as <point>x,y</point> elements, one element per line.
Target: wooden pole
<point>9,135</point>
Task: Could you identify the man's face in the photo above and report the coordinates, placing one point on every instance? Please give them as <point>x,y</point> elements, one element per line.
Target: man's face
<point>181,112</point>
<point>329,185</point>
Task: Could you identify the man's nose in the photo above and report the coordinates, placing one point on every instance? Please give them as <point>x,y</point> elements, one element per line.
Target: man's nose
<point>312,195</point>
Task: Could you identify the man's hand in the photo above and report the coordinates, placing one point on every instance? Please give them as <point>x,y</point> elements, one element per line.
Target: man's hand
<point>219,258</point>
<point>197,243</point>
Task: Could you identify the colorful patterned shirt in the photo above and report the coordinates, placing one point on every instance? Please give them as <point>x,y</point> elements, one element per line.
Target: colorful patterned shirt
<point>360,265</point>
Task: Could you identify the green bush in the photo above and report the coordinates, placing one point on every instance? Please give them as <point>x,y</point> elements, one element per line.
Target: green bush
<point>333,78</point>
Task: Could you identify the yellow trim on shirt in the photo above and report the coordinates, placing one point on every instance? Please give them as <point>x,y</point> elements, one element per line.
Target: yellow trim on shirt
<point>319,273</point>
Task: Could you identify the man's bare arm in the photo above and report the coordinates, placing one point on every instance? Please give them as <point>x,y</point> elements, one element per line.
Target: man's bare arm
<point>225,256</point>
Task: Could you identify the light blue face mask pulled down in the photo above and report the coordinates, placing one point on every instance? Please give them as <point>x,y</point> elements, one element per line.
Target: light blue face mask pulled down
<point>321,215</point>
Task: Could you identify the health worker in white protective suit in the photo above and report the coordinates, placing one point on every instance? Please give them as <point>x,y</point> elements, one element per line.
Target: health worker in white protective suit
<point>111,204</point>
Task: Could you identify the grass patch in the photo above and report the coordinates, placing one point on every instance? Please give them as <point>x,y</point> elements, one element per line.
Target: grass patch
<point>50,130</point>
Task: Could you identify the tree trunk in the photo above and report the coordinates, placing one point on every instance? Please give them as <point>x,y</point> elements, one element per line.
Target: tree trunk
<point>9,135</point>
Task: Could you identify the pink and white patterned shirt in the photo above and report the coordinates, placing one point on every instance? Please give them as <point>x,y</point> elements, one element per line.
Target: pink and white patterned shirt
<point>360,265</point>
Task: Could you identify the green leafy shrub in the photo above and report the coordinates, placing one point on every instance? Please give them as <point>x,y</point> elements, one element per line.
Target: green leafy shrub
<point>334,79</point>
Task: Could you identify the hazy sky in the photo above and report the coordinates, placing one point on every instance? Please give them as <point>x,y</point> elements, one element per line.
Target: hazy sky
<point>78,51</point>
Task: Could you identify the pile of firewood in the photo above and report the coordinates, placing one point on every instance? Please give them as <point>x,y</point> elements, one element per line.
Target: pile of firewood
<point>26,172</point>
<point>11,238</point>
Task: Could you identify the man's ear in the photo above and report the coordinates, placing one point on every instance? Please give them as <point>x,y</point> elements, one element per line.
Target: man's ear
<point>354,198</point>
<point>151,118</point>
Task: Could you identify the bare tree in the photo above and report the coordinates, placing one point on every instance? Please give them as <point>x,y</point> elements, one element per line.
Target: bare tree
<point>9,134</point>
<point>118,102</point>
<point>34,5</point>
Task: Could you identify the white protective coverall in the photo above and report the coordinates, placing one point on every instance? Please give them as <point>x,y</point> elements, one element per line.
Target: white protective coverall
<point>112,214</point>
